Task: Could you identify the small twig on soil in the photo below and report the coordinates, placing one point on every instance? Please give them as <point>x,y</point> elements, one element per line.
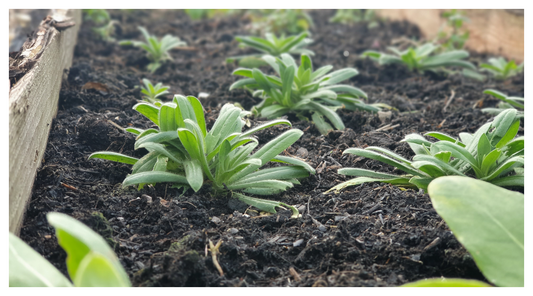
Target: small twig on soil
<point>441,123</point>
<point>294,274</point>
<point>214,251</point>
<point>68,186</point>
<point>385,128</point>
<point>432,244</point>
<point>449,101</point>
<point>116,125</point>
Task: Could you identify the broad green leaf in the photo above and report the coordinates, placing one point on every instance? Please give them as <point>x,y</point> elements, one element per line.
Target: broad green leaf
<point>389,153</point>
<point>276,184</point>
<point>511,162</point>
<point>444,137</point>
<point>385,159</point>
<point>357,172</point>
<point>501,124</point>
<point>418,149</point>
<point>265,125</point>
<point>146,163</point>
<point>483,148</point>
<point>154,177</point>
<point>149,111</point>
<point>509,181</point>
<point>332,116</point>
<point>194,174</point>
<point>343,88</point>
<point>457,152</point>
<point>446,282</point>
<point>113,156</point>
<point>27,268</point>
<point>278,173</point>
<point>161,163</point>
<point>429,167</point>
<point>320,72</point>
<point>489,160</point>
<point>175,155</point>
<point>156,138</point>
<point>96,270</point>
<point>509,135</point>
<point>339,75</point>
<point>322,126</point>
<point>167,117</point>
<point>488,221</point>
<point>294,161</point>
<point>277,145</point>
<point>243,72</point>
<point>451,170</point>
<point>421,182</point>
<point>242,82</point>
<point>78,240</point>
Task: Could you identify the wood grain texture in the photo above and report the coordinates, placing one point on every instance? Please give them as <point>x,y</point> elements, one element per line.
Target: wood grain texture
<point>499,32</point>
<point>32,106</point>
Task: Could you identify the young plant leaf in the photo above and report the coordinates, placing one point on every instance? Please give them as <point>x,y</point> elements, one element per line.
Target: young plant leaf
<point>497,241</point>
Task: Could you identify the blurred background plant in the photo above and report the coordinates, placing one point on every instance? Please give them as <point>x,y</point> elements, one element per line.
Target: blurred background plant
<point>352,16</point>
<point>198,14</point>
<point>507,102</point>
<point>105,27</point>
<point>279,21</point>
<point>452,35</point>
<point>501,69</point>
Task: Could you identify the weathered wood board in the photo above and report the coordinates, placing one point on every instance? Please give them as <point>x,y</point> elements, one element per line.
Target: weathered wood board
<point>32,106</point>
<point>496,31</point>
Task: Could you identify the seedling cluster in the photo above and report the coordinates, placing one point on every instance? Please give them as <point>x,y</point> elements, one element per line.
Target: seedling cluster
<point>228,160</point>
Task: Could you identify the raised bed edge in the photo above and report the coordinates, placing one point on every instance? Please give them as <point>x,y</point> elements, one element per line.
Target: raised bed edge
<point>32,106</point>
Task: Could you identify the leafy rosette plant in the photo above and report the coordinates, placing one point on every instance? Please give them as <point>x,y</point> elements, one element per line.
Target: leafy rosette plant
<point>420,58</point>
<point>156,50</point>
<point>506,103</point>
<point>302,91</point>
<point>183,152</point>
<point>90,260</point>
<point>274,46</point>
<point>501,69</point>
<point>151,92</point>
<point>491,154</point>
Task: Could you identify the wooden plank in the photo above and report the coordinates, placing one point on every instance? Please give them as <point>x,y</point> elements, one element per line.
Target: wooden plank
<point>32,106</point>
<point>496,31</point>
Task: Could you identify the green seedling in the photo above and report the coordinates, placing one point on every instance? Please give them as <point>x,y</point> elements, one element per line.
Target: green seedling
<point>457,37</point>
<point>157,50</point>
<point>97,16</point>
<point>488,221</point>
<point>274,46</point>
<point>303,91</point>
<point>501,69</point>
<point>198,14</point>
<point>101,17</point>
<point>280,21</point>
<point>151,92</point>
<point>506,103</point>
<point>420,58</point>
<point>352,16</point>
<point>106,31</point>
<point>90,260</point>
<point>183,152</point>
<point>491,154</point>
<point>446,282</point>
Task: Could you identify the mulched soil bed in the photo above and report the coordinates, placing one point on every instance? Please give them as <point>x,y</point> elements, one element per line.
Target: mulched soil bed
<point>369,235</point>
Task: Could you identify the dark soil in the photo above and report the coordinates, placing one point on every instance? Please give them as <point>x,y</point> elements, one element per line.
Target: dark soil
<point>369,235</point>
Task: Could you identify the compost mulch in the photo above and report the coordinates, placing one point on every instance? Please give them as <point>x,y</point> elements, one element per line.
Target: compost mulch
<point>368,235</point>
